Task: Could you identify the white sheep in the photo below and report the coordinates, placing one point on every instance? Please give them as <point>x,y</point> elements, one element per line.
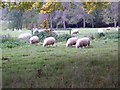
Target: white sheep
<point>34,40</point>
<point>71,41</point>
<point>25,37</point>
<point>100,30</point>
<point>83,42</point>
<point>49,41</point>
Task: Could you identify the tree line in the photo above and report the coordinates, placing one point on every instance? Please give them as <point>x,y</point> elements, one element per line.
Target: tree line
<point>60,14</point>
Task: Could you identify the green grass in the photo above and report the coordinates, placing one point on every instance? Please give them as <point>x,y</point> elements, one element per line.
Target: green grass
<point>92,67</point>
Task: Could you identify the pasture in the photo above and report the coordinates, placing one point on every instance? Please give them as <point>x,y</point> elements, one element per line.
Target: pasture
<point>30,66</point>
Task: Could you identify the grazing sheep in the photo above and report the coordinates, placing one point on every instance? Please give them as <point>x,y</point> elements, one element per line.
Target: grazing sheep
<point>37,31</point>
<point>25,37</point>
<point>74,31</point>
<point>34,30</point>
<point>34,40</point>
<point>71,41</point>
<point>49,41</point>
<point>101,32</point>
<point>108,28</point>
<point>83,42</point>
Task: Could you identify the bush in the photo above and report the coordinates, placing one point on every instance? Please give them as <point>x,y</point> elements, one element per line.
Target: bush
<point>4,38</point>
<point>112,35</point>
<point>43,34</point>
<point>63,37</point>
<point>9,42</point>
<point>107,35</point>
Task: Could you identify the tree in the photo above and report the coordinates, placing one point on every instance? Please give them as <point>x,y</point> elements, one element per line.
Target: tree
<point>110,14</point>
<point>97,17</point>
<point>15,17</point>
<point>90,5</point>
<point>49,7</point>
<point>60,17</point>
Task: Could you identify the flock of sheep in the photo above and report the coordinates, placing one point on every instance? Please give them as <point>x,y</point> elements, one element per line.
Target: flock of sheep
<point>78,42</point>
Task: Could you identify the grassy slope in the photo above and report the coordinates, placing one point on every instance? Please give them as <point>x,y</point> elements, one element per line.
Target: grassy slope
<point>95,66</point>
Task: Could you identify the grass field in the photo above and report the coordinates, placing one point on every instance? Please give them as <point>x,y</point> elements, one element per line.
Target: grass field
<point>32,66</point>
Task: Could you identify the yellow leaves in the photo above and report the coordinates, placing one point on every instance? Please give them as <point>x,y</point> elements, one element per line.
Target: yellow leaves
<point>11,5</point>
<point>89,7</point>
<point>3,4</point>
<point>46,8</point>
<point>43,12</point>
<point>21,5</point>
<point>37,6</point>
<point>45,24</point>
<point>49,7</point>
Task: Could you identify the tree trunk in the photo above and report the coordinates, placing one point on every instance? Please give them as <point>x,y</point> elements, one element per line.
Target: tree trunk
<point>77,25</point>
<point>92,23</point>
<point>84,22</point>
<point>115,23</point>
<point>51,26</point>
<point>64,24</point>
<point>56,26</point>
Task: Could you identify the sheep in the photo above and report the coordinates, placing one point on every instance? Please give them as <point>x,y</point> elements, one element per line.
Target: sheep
<point>25,37</point>
<point>83,42</point>
<point>108,28</point>
<point>101,32</point>
<point>34,40</point>
<point>37,31</point>
<point>34,30</point>
<point>74,31</point>
<point>49,41</point>
<point>71,41</point>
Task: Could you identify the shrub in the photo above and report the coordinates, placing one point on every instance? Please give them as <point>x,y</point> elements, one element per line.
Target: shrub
<point>4,38</point>
<point>108,35</point>
<point>43,34</point>
<point>112,35</point>
<point>63,37</point>
<point>9,42</point>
